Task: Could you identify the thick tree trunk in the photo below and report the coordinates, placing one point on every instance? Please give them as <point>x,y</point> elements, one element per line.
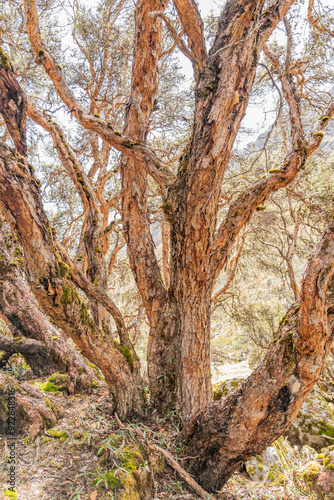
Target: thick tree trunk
<point>18,306</point>
<point>224,434</point>
<point>191,204</point>
<point>49,281</point>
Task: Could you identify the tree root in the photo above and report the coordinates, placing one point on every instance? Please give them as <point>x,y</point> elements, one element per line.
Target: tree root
<point>32,410</point>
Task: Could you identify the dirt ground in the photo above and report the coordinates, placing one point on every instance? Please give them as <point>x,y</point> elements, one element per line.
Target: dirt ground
<point>64,463</point>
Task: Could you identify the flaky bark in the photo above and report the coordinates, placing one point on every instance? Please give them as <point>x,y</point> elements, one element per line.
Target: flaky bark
<point>191,205</point>
<point>179,358</point>
<point>25,319</point>
<point>92,233</point>
<point>47,275</point>
<point>226,433</point>
<point>193,26</point>
<point>12,104</point>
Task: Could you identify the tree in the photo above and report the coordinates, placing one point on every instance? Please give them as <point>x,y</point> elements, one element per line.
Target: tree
<point>177,301</point>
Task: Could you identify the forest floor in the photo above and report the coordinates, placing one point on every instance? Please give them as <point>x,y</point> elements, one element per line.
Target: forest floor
<point>87,455</point>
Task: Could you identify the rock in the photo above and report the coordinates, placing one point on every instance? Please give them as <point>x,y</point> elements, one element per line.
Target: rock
<point>222,389</point>
<point>319,475</point>
<point>308,453</point>
<point>314,421</point>
<point>273,464</point>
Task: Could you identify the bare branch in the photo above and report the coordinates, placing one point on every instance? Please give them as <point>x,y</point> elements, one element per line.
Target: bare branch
<point>179,42</point>
<point>315,22</point>
<point>193,26</point>
<point>134,149</point>
<point>243,208</point>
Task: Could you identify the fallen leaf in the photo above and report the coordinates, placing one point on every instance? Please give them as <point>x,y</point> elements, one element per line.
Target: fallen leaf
<point>93,495</point>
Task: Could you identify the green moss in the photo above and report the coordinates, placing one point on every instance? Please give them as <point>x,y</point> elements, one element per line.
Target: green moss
<point>271,476</point>
<point>325,245</point>
<point>118,133</point>
<point>95,282</point>
<point>311,472</point>
<point>131,458</point>
<point>98,250</point>
<point>14,264</point>
<point>320,133</point>
<point>4,60</point>
<point>49,387</point>
<point>81,370</point>
<point>126,352</point>
<point>217,394</point>
<point>274,170</point>
<point>327,429</point>
<point>63,269</point>
<point>79,258</point>
<point>325,118</point>
<point>68,296</point>
<point>111,478</point>
<point>12,494</point>
<point>57,256</point>
<point>61,435</point>
<point>260,208</point>
<point>251,470</point>
<point>93,367</point>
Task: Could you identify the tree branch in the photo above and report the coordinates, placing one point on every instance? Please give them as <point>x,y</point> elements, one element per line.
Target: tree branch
<point>243,208</point>
<point>179,42</point>
<point>193,26</point>
<point>159,172</point>
<point>13,105</point>
<point>315,22</point>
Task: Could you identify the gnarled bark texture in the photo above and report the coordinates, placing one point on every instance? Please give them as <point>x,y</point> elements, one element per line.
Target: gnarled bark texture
<point>48,278</point>
<point>26,321</point>
<point>224,434</point>
<point>33,411</point>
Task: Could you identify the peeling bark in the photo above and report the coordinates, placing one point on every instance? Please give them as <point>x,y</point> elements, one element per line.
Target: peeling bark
<point>18,306</point>
<point>13,105</point>
<point>226,433</point>
<point>49,281</point>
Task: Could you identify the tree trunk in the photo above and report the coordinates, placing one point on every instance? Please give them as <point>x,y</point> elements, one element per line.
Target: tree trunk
<point>224,434</point>
<point>18,306</point>
<point>34,353</point>
<point>49,281</point>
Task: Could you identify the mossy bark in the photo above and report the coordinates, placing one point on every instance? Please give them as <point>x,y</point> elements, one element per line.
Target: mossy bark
<point>56,294</point>
<point>33,410</point>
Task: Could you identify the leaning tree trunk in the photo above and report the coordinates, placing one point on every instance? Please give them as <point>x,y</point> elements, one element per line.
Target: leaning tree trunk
<point>224,434</point>
<point>50,282</point>
<point>33,351</point>
<point>18,306</point>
